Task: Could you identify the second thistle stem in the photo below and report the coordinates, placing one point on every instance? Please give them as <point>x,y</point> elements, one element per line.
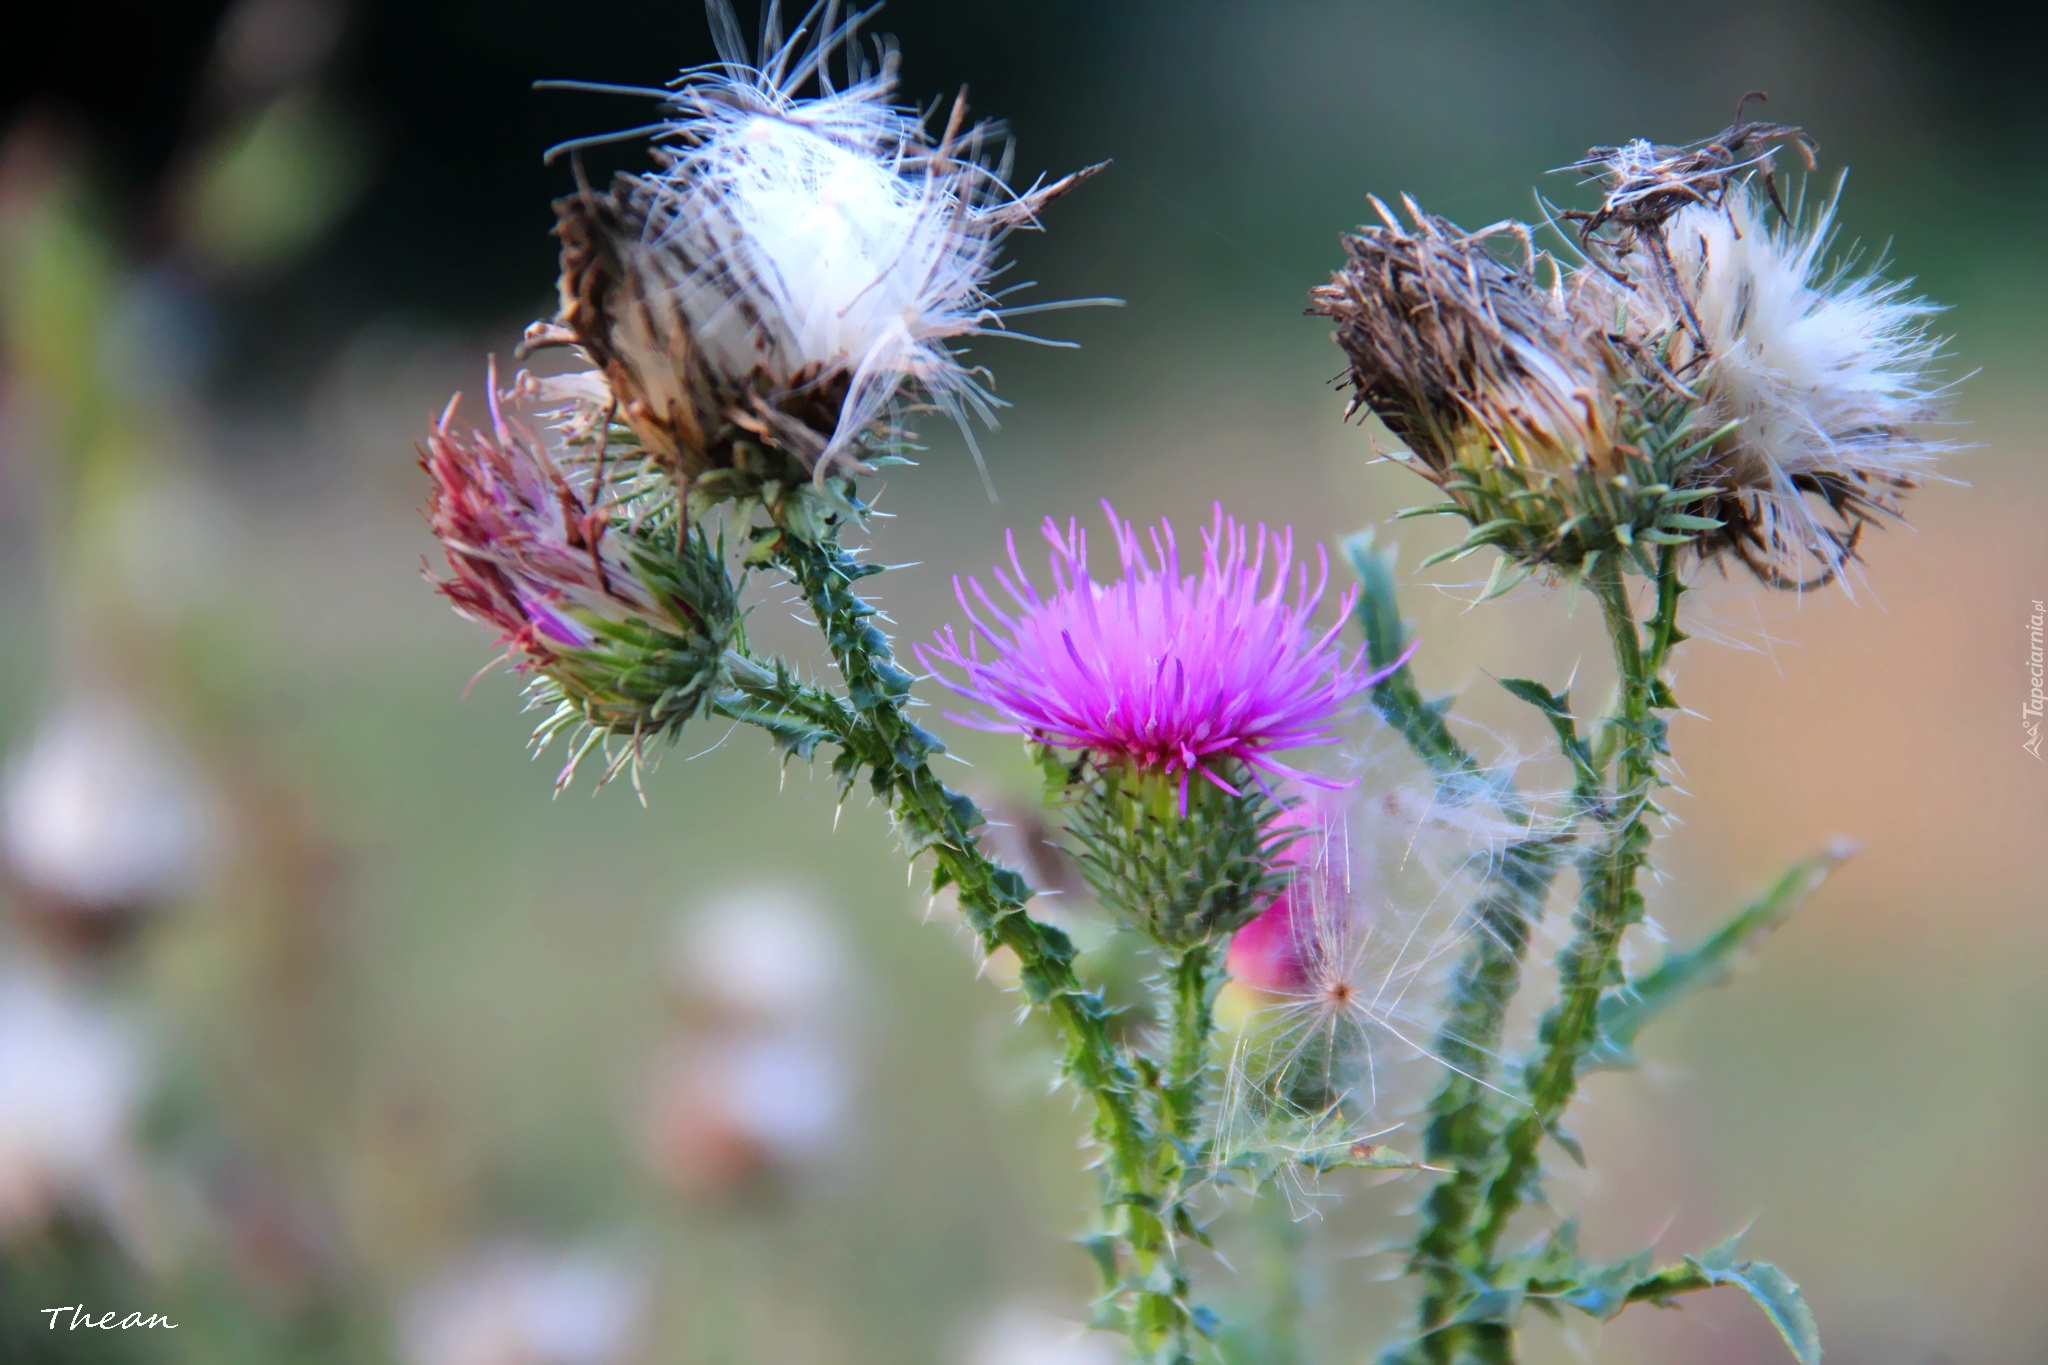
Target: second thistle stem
<point>1461,1133</point>
<point>1609,901</point>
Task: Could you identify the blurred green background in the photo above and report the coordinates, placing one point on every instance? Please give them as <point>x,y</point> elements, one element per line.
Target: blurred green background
<point>418,1067</point>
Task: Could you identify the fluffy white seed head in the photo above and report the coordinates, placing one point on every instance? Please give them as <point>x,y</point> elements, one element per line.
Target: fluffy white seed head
<point>818,239</point>
<point>1824,369</point>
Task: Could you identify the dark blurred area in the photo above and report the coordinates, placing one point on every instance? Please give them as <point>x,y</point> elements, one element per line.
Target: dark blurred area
<point>453,222</point>
<point>327,1031</point>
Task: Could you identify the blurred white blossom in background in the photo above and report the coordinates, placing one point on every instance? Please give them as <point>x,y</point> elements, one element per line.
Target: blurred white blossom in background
<point>755,1081</point>
<point>515,1303</point>
<point>73,1076</point>
<point>100,812</point>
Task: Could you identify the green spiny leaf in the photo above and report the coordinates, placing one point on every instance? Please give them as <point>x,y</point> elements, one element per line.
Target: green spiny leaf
<point>1626,1010</point>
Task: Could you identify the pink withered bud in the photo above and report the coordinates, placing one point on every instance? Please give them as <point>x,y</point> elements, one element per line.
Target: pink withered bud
<point>1277,951</point>
<point>581,571</point>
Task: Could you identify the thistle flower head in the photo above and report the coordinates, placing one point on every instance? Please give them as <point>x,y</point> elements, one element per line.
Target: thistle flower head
<point>1175,673</point>
<point>805,254</point>
<point>1159,678</point>
<point>586,579</point>
<point>1819,374</point>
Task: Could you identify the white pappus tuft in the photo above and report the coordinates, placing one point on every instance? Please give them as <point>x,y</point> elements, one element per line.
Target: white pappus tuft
<point>812,245</point>
<point>1822,368</point>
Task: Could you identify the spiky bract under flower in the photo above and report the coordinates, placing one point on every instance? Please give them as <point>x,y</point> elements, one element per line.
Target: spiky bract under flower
<point>1817,373</point>
<point>802,258</point>
<point>1182,863</point>
<point>580,570</point>
<point>1165,671</point>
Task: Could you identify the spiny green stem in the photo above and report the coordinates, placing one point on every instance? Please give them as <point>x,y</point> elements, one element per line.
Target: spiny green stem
<point>1140,1267</point>
<point>1609,902</point>
<point>1279,1274</point>
<point>1192,981</point>
<point>1462,1127</point>
<point>1461,1131</point>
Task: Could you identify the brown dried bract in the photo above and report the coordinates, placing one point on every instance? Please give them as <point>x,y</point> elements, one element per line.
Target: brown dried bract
<point>1647,184</point>
<point>1440,332</point>
<point>625,277</point>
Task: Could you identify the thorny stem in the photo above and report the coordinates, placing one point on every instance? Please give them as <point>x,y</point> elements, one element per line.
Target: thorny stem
<point>1276,1338</point>
<point>1461,1131</point>
<point>1193,978</point>
<point>873,730</point>
<point>1609,901</point>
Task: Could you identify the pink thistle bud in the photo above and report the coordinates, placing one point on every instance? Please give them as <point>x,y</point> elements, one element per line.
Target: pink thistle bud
<point>1169,673</point>
<point>581,571</point>
<point>526,546</point>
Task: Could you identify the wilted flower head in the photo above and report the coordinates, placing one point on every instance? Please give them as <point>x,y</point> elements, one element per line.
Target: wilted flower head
<point>1702,378</point>
<point>1646,184</point>
<point>805,254</point>
<point>583,579</point>
<point>1512,395</point>
<point>1162,670</point>
<point>1817,374</point>
<point>1464,355</point>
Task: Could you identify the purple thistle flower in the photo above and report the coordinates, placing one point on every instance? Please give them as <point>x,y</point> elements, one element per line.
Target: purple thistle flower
<point>1172,673</point>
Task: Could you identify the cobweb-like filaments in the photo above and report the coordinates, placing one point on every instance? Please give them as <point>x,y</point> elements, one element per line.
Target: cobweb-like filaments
<point>1325,1054</point>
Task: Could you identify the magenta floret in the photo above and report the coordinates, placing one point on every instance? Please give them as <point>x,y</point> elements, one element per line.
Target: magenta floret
<point>1171,672</point>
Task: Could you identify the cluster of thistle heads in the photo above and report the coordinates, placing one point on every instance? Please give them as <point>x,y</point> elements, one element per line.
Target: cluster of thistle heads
<point>1698,369</point>
<point>755,318</point>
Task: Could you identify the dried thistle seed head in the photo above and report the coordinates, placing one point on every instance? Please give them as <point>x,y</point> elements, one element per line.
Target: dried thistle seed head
<point>1817,375</point>
<point>583,570</point>
<point>1466,357</point>
<point>1645,184</point>
<point>1518,400</point>
<point>799,264</point>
